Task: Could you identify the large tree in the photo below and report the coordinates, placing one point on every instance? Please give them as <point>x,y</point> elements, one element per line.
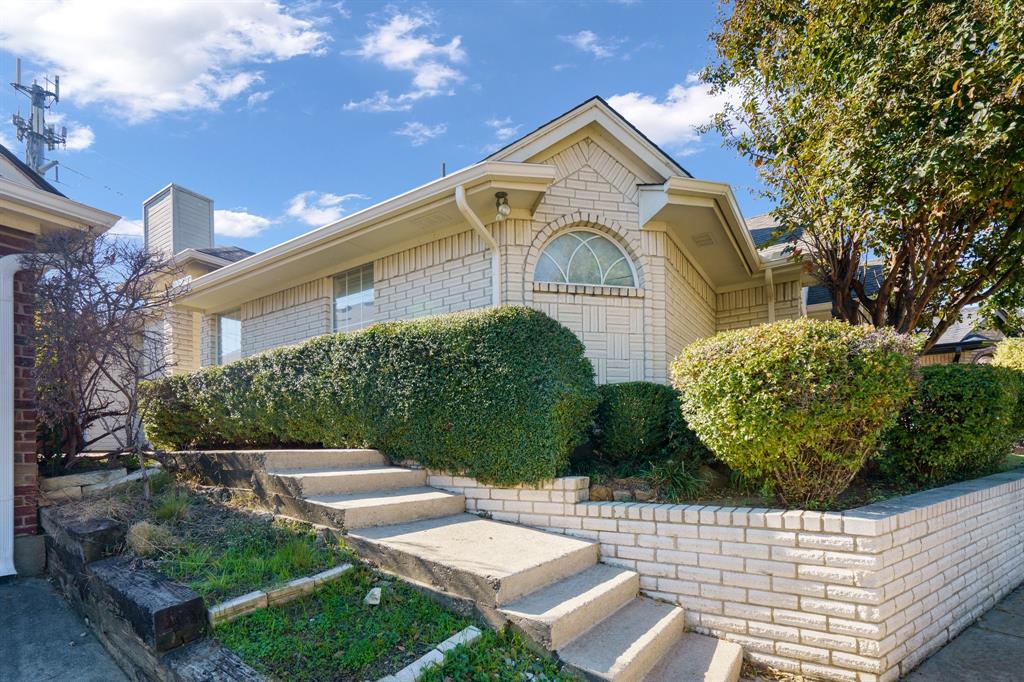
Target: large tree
<point>888,132</point>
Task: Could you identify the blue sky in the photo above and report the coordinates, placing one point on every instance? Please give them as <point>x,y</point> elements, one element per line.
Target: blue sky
<point>293,115</point>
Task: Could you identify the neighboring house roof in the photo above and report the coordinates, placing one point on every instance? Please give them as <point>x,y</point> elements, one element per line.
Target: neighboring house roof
<point>872,278</point>
<point>500,154</point>
<point>40,204</point>
<point>228,253</point>
<point>36,179</point>
<point>966,334</point>
<point>763,230</point>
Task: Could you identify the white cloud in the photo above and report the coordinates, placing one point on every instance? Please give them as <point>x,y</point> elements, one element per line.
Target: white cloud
<point>673,121</point>
<point>591,43</point>
<point>145,59</point>
<point>402,45</point>
<point>127,228</point>
<point>382,101</point>
<point>257,98</point>
<point>239,223</point>
<point>80,136</point>
<point>421,133</point>
<point>319,208</point>
<point>503,128</point>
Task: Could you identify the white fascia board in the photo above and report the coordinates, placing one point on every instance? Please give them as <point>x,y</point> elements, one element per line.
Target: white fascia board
<point>62,206</point>
<point>390,208</point>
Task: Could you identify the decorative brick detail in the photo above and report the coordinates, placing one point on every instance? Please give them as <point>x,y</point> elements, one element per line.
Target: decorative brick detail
<point>861,595</point>
<point>25,466</point>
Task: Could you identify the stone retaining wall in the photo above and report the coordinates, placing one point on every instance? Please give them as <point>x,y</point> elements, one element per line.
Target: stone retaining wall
<point>861,595</point>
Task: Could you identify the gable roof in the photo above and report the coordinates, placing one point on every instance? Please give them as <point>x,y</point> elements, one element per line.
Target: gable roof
<point>594,102</point>
<point>35,178</point>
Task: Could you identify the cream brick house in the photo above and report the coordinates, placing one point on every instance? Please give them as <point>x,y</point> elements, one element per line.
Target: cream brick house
<point>584,218</point>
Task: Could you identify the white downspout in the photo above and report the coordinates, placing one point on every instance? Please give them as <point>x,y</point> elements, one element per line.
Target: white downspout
<point>8,266</point>
<point>492,243</point>
<point>769,292</point>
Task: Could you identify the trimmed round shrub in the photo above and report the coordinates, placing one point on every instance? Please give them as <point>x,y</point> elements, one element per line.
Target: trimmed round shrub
<point>502,395</point>
<point>958,425</point>
<point>640,422</point>
<point>799,404</point>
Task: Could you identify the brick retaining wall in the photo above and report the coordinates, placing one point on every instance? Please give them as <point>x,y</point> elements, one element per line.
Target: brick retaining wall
<point>860,595</point>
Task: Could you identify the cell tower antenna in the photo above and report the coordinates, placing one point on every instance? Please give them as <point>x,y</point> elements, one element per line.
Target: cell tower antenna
<point>37,136</point>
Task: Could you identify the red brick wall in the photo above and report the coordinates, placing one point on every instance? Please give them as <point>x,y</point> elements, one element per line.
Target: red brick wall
<point>25,466</point>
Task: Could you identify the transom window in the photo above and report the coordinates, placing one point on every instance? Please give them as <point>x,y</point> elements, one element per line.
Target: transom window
<point>353,298</point>
<point>583,257</point>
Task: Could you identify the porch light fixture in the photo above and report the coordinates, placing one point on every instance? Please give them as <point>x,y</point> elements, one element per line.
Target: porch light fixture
<point>501,201</point>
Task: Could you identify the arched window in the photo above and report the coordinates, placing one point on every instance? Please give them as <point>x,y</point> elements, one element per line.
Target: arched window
<point>583,257</point>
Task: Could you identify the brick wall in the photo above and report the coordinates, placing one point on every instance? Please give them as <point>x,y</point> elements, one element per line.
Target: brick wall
<point>285,317</point>
<point>622,328</point>
<point>692,315</point>
<point>862,595</point>
<point>443,276</point>
<point>25,466</point>
<point>747,307</point>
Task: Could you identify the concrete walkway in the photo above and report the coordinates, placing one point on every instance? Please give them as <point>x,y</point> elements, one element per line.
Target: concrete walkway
<point>991,650</point>
<point>45,641</point>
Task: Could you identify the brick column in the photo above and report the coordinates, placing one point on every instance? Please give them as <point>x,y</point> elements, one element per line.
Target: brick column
<point>25,465</point>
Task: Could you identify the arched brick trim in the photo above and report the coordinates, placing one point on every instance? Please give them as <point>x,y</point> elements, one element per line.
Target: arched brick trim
<point>630,243</point>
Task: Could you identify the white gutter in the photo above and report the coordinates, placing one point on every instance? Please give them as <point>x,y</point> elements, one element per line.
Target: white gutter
<point>8,266</point>
<point>769,292</point>
<point>492,243</point>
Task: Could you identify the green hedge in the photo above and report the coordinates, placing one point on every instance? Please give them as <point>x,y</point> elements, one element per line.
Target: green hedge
<point>502,395</point>
<point>958,425</point>
<point>640,422</point>
<point>797,404</point>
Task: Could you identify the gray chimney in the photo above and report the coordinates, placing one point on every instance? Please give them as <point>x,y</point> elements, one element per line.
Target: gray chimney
<point>175,219</point>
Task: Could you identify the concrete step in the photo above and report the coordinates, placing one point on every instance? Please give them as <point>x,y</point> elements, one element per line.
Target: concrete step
<point>372,508</point>
<point>326,481</point>
<point>558,613</point>
<point>466,556</point>
<point>323,459</point>
<point>698,658</point>
<point>625,646</point>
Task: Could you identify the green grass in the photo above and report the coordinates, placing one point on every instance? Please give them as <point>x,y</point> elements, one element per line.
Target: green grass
<point>496,656</point>
<point>224,553</point>
<point>332,635</point>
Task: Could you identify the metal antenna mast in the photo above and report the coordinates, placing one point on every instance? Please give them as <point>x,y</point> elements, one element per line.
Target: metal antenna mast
<point>37,136</point>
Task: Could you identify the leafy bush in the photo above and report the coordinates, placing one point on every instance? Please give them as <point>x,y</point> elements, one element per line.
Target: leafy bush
<point>1010,354</point>
<point>798,404</point>
<point>502,395</point>
<point>638,423</point>
<point>958,425</point>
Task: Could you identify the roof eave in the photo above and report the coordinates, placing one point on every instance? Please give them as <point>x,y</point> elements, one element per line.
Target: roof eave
<point>378,213</point>
<point>57,204</point>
